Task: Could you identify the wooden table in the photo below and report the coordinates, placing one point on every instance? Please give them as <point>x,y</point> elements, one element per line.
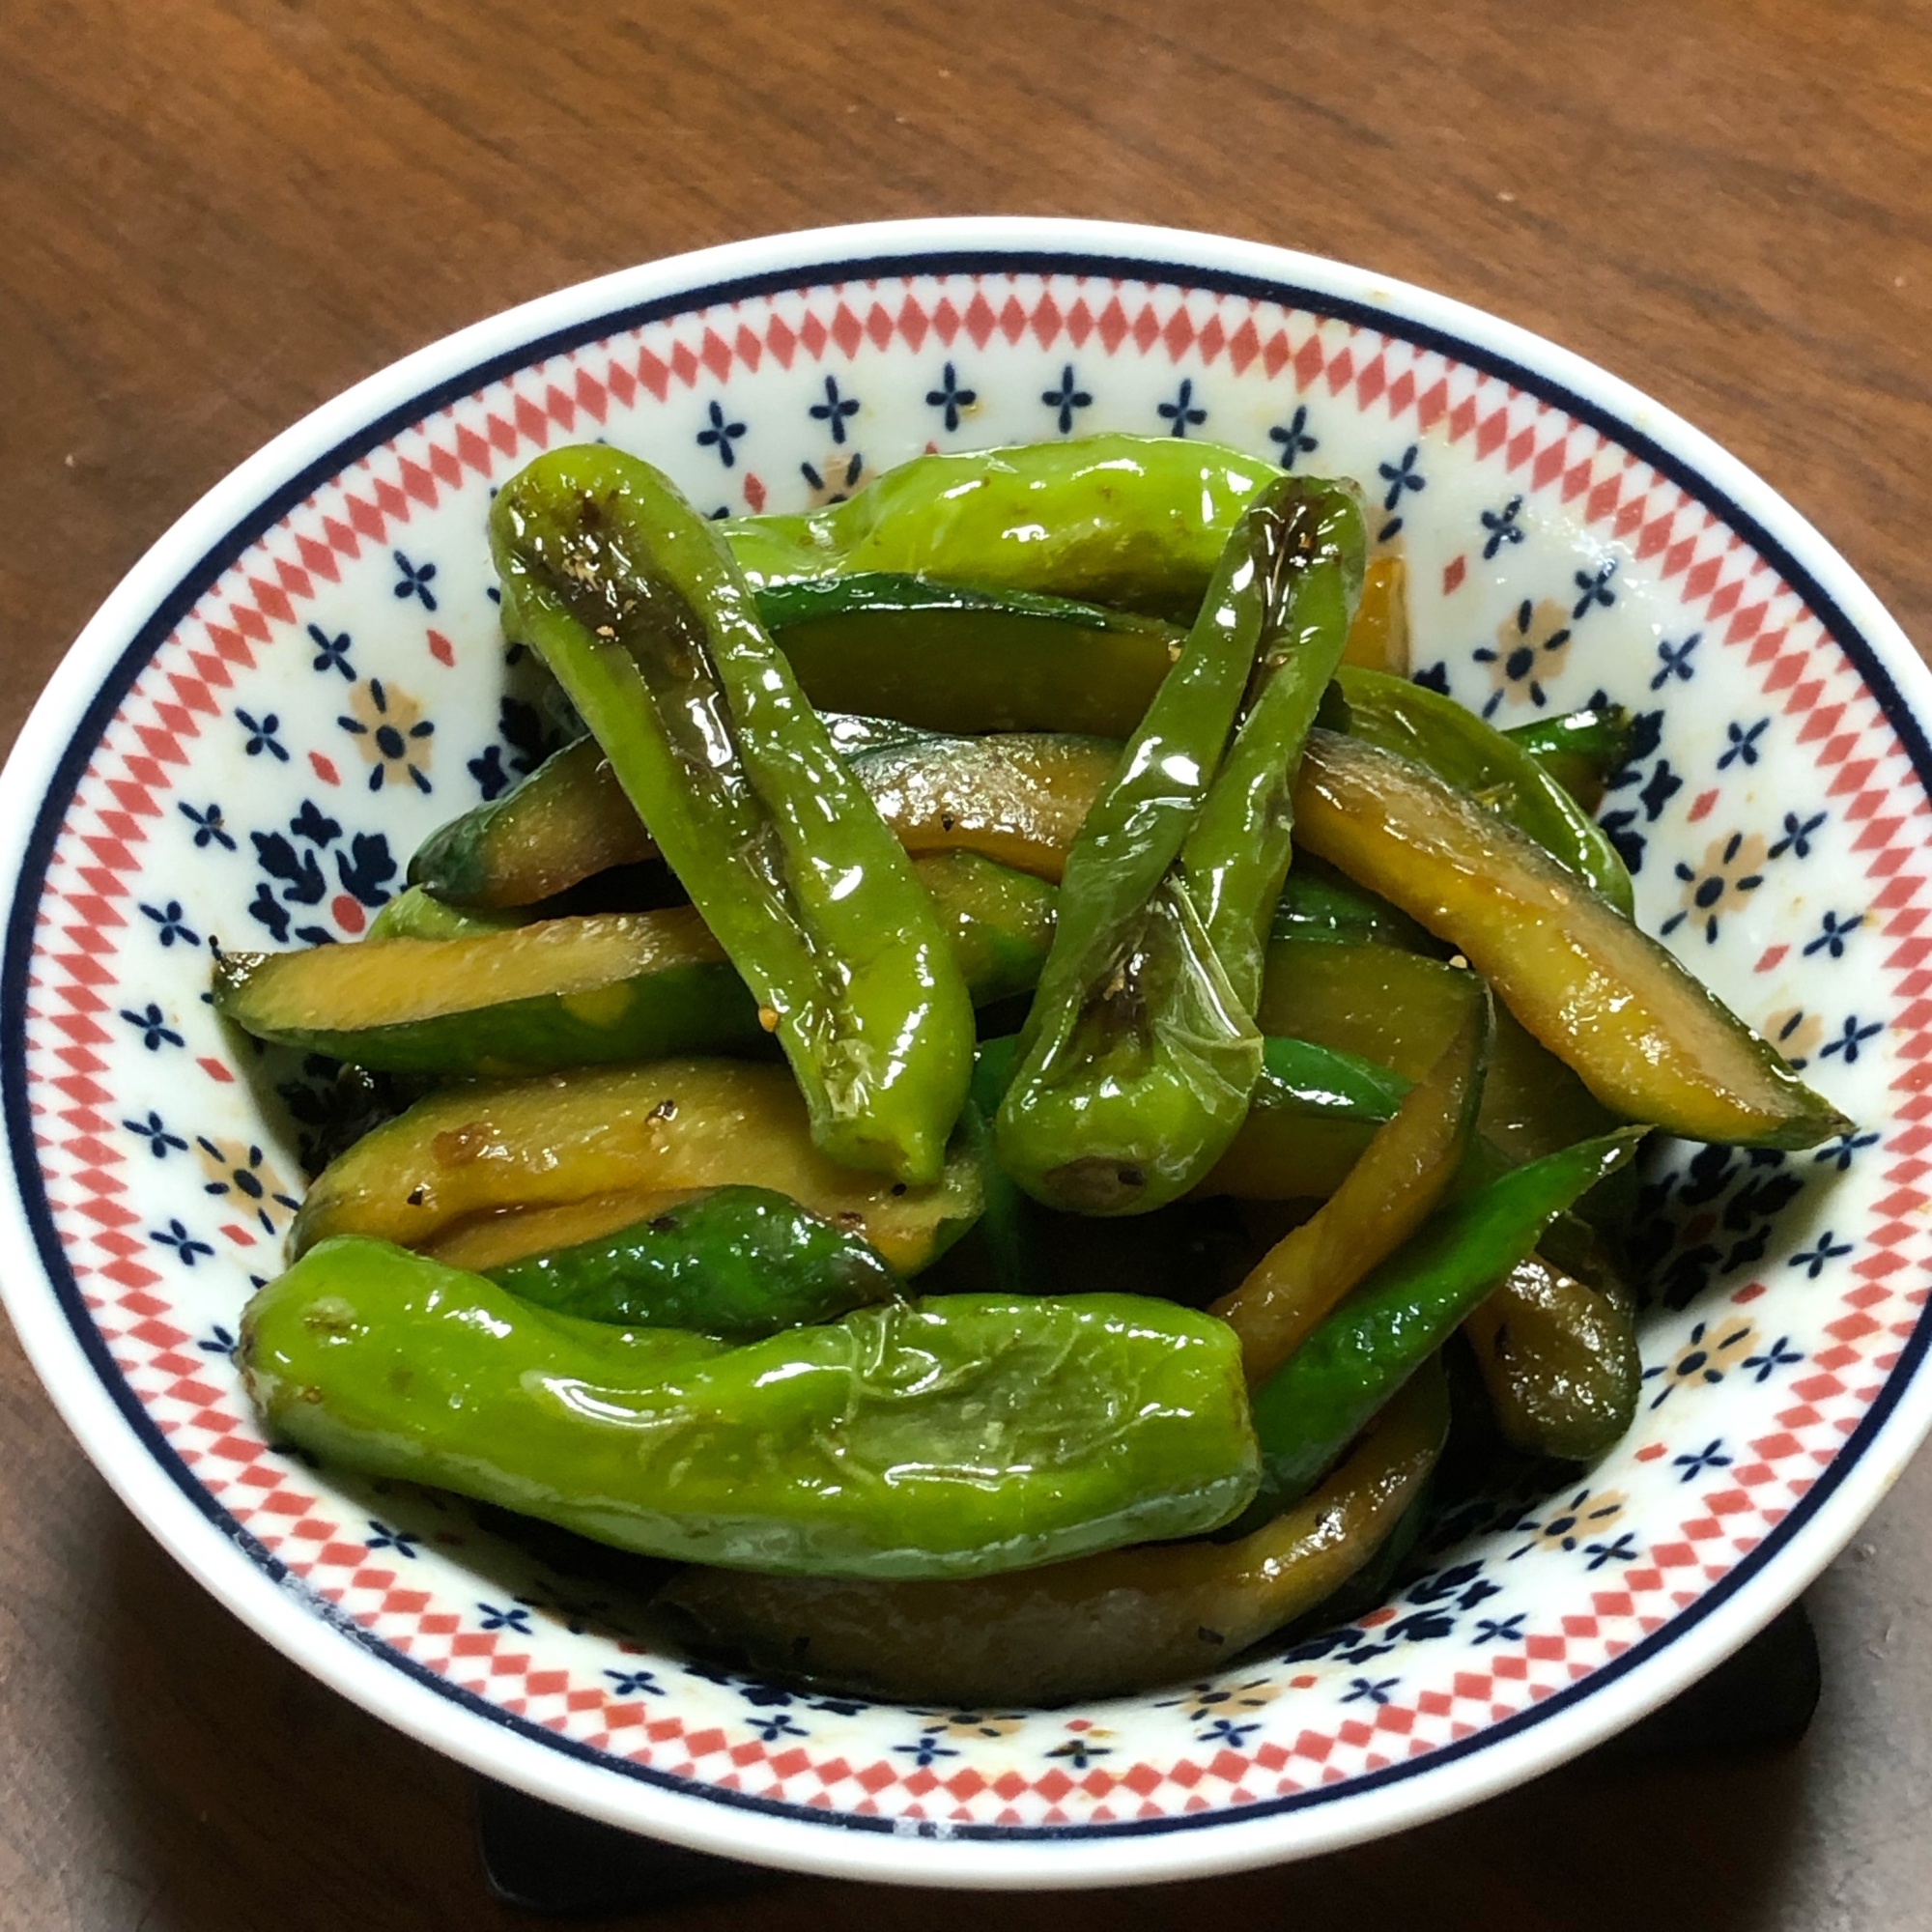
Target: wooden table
<point>219,213</point>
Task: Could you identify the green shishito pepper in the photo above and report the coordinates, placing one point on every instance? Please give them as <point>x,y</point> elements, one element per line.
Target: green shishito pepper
<point>1309,1410</point>
<point>1413,722</point>
<point>1131,521</point>
<point>632,599</point>
<point>1107,1626</point>
<point>1582,749</point>
<point>948,1437</point>
<point>1140,1051</point>
<point>741,1262</point>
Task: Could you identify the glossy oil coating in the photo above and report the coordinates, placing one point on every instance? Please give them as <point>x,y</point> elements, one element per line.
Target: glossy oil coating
<point>637,606</point>
<point>953,1437</point>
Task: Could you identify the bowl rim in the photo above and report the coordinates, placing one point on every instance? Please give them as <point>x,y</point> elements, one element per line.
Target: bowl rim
<point>84,1387</point>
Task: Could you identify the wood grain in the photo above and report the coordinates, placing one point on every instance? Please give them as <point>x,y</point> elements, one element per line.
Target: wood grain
<point>219,213</point>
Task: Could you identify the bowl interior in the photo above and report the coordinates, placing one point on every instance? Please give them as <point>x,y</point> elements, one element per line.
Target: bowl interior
<point>331,685</point>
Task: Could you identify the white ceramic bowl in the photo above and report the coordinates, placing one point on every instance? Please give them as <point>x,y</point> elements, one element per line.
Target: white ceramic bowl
<point>304,675</point>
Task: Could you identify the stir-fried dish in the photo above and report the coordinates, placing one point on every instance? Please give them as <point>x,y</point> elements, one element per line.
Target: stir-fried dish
<point>999,1095</point>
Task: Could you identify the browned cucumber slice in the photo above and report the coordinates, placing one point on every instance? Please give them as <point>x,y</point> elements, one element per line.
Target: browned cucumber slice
<point>481,1173</point>
<point>1646,1038</point>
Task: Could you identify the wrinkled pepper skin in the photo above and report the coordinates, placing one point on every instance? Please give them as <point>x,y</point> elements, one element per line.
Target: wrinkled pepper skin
<point>632,600</point>
<point>1237,851</point>
<point>1106,1626</point>
<point>597,990</point>
<point>1312,1407</point>
<point>1140,1053</point>
<point>1434,732</point>
<point>1130,521</point>
<point>952,1437</point>
<point>738,1261</point>
<point>1646,1038</point>
<point>1403,1173</point>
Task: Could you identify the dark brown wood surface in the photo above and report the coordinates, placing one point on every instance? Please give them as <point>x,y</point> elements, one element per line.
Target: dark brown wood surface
<point>215,214</point>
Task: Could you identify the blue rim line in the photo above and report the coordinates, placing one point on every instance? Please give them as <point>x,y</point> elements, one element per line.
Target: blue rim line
<point>194,584</point>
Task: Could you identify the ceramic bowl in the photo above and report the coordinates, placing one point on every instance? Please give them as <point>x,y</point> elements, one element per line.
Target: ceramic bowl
<point>305,675</point>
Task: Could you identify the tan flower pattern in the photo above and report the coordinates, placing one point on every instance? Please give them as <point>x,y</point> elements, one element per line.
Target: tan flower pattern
<point>1532,646</point>
<point>1573,1523</point>
<point>247,1182</point>
<point>1795,1032</point>
<point>1732,869</point>
<point>1714,1349</point>
<point>391,734</point>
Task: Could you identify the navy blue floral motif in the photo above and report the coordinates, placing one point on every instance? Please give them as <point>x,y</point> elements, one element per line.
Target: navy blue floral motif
<point>1709,1456</point>
<point>1813,1260</point>
<point>1222,1731</point>
<point>314,824</point>
<point>1346,1644</point>
<point>152,1024</point>
<point>413,582</point>
<point>951,397</point>
<point>839,1707</point>
<point>515,1618</point>
<point>1461,1584</point>
<point>175,1236</point>
<point>333,653</point>
<point>173,924</point>
<point>366,865</point>
<point>1503,527</point>
<point>262,737</point>
<point>1832,933</point>
<point>1068,398</point>
<point>157,1135</point>
<point>1436,677</point>
<point>775,1724</point>
<point>721,435</point>
<point>208,828</point>
<point>1183,411</point>
<point>1742,742</point>
<point>1676,660</point>
<point>634,1684</point>
<point>1776,1355</point>
<point>1623,1550</point>
<point>834,409</point>
<point>1841,1152</point>
<point>1505,1629</point>
<point>1294,437</point>
<point>1080,1751</point>
<point>1851,1038</point>
<point>1798,835</point>
<point>1420,1626</point>
<point>927,1750</point>
<point>855,466</point>
<point>218,1340</point>
<point>1595,584</point>
<point>1400,476</point>
<point>402,1541</point>
<point>1793,1058</point>
<point>1376,1690</point>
